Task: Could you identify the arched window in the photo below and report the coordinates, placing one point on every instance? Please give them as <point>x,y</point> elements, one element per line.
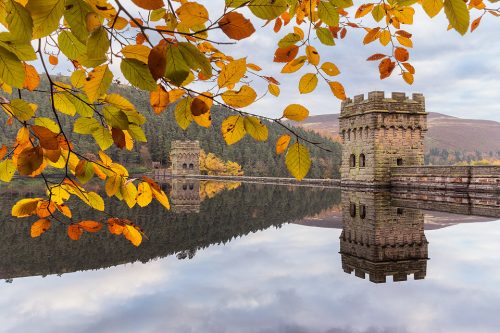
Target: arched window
<point>184,187</point>
<point>184,166</point>
<point>191,186</point>
<point>362,211</point>
<point>352,161</point>
<point>352,209</point>
<point>362,160</point>
<point>191,166</point>
<point>399,161</point>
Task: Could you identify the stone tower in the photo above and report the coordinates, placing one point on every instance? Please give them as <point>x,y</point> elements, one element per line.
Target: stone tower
<point>185,157</point>
<point>185,195</point>
<point>378,133</point>
<point>380,240</point>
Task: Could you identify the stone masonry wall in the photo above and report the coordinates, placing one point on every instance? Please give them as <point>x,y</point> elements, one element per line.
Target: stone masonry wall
<point>185,157</point>
<point>456,178</point>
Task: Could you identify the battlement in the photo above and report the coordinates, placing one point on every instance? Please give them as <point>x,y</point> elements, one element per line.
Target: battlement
<point>376,101</point>
<point>185,144</point>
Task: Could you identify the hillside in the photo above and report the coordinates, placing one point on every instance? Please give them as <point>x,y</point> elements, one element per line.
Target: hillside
<point>256,158</point>
<point>449,139</point>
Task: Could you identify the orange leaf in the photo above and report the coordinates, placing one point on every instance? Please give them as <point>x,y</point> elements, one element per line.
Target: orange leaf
<point>31,78</point>
<point>376,56</point>
<point>47,138</point>
<point>282,143</point>
<point>149,4</point>
<point>277,25</point>
<point>53,60</point>
<point>337,89</point>
<point>386,67</point>
<point>409,67</point>
<point>39,227</point>
<point>404,33</point>
<point>236,26</point>
<point>475,24</point>
<point>401,54</point>
<point>159,99</point>
<point>157,61</point>
<point>363,10</point>
<point>371,35</point>
<point>90,226</point>
<point>75,231</point>
<point>286,54</point>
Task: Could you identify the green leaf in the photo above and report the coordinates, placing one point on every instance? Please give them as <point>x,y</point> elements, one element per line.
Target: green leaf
<point>7,170</point>
<point>378,13</point>
<point>177,70</point>
<point>48,123</point>
<point>115,117</point>
<point>195,59</point>
<point>137,133</point>
<point>289,40</point>
<point>85,125</point>
<point>328,13</point>
<point>325,36</point>
<point>103,137</point>
<point>76,14</point>
<point>98,44</point>
<point>297,160</point>
<point>11,69</point>
<point>84,171</point>
<point>183,114</point>
<point>46,16</point>
<point>267,10</point>
<point>138,74</point>
<point>235,3</point>
<point>19,21</point>
<point>20,109</point>
<point>458,15</point>
<point>70,45</point>
<point>342,3</point>
<point>24,51</point>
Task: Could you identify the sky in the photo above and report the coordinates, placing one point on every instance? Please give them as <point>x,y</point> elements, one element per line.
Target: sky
<point>459,75</point>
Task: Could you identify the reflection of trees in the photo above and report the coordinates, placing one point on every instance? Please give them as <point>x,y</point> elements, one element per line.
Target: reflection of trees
<point>230,214</point>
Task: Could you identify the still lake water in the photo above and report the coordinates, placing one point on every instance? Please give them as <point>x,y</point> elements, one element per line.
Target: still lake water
<point>257,258</point>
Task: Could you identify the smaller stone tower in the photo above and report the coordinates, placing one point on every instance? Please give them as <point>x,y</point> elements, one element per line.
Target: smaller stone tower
<point>378,133</point>
<point>185,195</point>
<point>381,240</point>
<point>185,157</point>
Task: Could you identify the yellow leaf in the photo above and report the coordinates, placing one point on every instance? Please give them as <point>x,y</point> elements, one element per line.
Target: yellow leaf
<point>432,7</point>
<point>46,15</point>
<point>232,73</point>
<point>458,15</point>
<point>39,227</point>
<point>296,112</point>
<point>191,14</point>
<point>98,82</point>
<point>330,69</point>
<point>308,83</point>
<point>312,55</point>
<point>282,143</point>
<point>297,161</point>
<point>408,77</point>
<point>161,197</point>
<point>255,128</point>
<point>113,185</point>
<point>294,65</point>
<point>183,114</point>
<point>7,170</point>
<point>273,89</point>
<point>385,37</point>
<point>233,129</point>
<point>132,234</point>
<point>139,52</point>
<point>129,194</point>
<point>25,207</point>
<point>241,98</point>
<point>337,89</point>
<point>404,41</point>
<point>78,78</point>
<point>144,194</point>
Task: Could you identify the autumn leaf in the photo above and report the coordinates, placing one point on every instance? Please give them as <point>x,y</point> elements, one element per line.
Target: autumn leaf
<point>337,89</point>
<point>241,98</point>
<point>308,83</point>
<point>295,112</point>
<point>282,143</point>
<point>236,26</point>
<point>149,4</point>
<point>233,129</point>
<point>39,227</point>
<point>74,232</point>
<point>298,161</point>
<point>401,54</point>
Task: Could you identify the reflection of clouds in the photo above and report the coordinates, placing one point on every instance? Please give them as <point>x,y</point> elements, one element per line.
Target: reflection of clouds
<point>285,280</point>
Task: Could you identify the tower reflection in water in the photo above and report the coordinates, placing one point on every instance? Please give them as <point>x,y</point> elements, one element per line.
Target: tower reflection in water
<point>380,240</point>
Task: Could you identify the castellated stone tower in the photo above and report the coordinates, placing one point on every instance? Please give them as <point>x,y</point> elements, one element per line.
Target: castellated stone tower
<point>185,195</point>
<point>185,157</point>
<point>380,240</point>
<point>378,133</point>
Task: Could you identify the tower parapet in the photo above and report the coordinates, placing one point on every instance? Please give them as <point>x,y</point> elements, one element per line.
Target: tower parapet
<point>379,132</point>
